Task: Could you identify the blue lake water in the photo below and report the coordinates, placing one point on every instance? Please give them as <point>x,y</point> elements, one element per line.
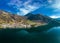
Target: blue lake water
<point>24,36</point>
<point>55,31</point>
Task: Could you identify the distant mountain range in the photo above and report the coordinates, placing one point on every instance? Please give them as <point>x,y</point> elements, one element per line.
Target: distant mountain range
<point>57,19</point>
<point>8,20</point>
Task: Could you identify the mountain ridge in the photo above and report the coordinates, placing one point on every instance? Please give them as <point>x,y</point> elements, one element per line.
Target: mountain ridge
<point>9,20</point>
<point>38,17</point>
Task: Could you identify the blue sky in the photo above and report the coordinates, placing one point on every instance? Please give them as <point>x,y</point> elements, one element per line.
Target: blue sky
<point>22,7</point>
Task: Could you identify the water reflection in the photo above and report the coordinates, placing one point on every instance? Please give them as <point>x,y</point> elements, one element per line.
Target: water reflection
<point>56,33</point>
<point>50,36</point>
<point>24,36</point>
<point>22,33</point>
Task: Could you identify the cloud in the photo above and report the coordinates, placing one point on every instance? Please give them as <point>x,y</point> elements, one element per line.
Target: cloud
<point>56,4</point>
<point>26,10</point>
<point>56,8</point>
<point>16,3</point>
<point>25,6</point>
<point>50,1</point>
<point>55,16</point>
<point>23,11</point>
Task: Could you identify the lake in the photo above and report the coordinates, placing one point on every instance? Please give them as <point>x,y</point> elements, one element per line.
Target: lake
<point>25,36</point>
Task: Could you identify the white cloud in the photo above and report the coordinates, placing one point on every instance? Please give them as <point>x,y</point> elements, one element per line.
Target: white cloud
<point>27,2</point>
<point>24,11</point>
<point>56,4</point>
<point>17,3</point>
<point>25,7</point>
<point>55,16</point>
<point>50,1</point>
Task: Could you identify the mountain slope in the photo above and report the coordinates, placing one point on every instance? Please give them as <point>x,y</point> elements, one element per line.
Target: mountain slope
<point>8,20</point>
<point>38,17</point>
<point>41,18</point>
<point>57,19</point>
<point>7,17</point>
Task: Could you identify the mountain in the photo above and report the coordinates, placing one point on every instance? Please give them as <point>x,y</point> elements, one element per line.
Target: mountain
<point>8,17</point>
<point>57,19</point>
<point>38,18</point>
<point>42,18</point>
<point>9,20</point>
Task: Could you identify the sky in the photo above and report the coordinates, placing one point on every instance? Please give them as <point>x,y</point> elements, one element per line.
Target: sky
<point>22,7</point>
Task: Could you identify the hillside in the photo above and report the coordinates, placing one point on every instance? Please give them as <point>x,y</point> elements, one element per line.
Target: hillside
<point>39,18</point>
<point>8,20</point>
<point>57,19</point>
<point>7,17</point>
